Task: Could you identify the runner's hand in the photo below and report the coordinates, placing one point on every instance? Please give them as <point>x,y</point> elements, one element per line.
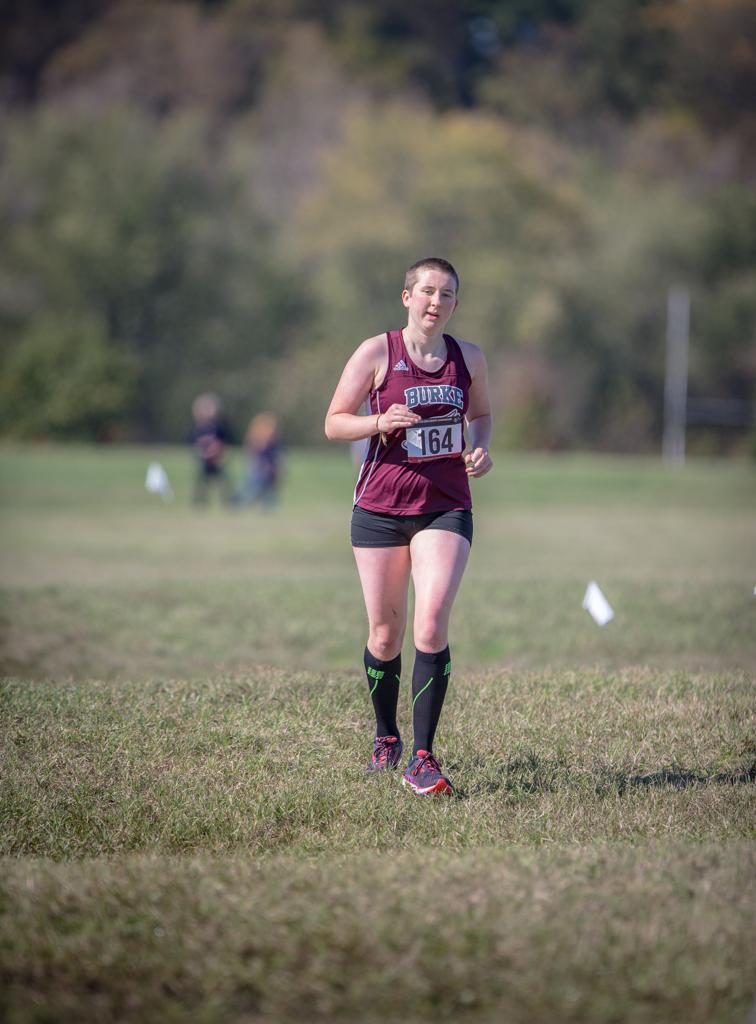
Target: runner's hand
<point>477,462</point>
<point>397,417</point>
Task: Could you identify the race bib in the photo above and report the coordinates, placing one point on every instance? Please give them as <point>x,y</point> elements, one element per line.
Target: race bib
<point>436,438</point>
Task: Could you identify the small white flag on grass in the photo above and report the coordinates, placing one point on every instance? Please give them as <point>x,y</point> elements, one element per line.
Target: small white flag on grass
<point>157,481</point>
<point>597,605</point>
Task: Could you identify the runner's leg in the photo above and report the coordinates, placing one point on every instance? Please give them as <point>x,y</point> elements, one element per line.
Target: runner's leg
<point>439,558</point>
<point>384,575</point>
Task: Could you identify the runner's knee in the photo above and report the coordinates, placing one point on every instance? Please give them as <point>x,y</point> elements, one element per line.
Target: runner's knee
<point>431,635</point>
<point>385,640</point>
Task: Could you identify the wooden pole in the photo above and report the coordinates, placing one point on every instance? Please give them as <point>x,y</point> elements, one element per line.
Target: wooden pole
<point>676,377</point>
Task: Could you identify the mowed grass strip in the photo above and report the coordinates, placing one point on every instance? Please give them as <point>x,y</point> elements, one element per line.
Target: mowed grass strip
<point>195,630</point>
<point>102,580</point>
<point>659,933</point>
<point>276,761</point>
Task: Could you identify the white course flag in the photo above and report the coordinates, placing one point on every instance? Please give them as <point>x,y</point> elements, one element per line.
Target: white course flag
<point>597,605</point>
<point>157,481</point>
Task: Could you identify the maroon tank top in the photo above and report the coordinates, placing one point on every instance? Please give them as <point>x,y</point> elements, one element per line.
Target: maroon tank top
<point>388,481</point>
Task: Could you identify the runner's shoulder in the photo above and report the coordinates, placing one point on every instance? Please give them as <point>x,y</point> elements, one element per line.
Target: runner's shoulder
<point>473,356</point>
<point>372,355</point>
<point>376,346</point>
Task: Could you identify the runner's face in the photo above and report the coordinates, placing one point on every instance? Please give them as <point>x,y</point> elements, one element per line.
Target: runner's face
<point>432,300</point>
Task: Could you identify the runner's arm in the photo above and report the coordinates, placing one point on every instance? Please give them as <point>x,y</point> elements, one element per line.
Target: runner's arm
<point>479,420</point>
<point>364,369</point>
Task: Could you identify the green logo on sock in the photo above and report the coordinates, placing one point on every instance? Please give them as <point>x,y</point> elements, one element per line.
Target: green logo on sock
<point>376,673</point>
<point>447,668</point>
<point>419,694</point>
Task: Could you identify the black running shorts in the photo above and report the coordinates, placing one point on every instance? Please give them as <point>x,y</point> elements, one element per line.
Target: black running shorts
<point>377,530</point>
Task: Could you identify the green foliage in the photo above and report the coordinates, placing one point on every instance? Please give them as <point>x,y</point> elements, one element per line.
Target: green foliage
<point>65,379</point>
<point>226,194</point>
<point>710,60</point>
<point>117,222</point>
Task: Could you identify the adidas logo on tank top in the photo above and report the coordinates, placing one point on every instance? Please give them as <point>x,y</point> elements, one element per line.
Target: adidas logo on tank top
<point>401,365</point>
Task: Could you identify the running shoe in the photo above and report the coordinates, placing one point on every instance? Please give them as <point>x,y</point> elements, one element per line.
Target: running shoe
<point>387,753</point>
<point>424,775</point>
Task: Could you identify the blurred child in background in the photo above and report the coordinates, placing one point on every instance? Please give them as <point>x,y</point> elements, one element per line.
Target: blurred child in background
<point>263,448</point>
<point>209,439</point>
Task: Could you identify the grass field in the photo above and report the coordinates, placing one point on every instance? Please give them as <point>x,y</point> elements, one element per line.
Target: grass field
<point>186,829</point>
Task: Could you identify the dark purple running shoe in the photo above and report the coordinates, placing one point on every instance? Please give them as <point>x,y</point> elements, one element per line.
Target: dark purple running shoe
<point>387,753</point>
<point>424,775</point>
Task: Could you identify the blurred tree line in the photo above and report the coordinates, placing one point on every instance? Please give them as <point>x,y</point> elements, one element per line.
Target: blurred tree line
<point>223,195</point>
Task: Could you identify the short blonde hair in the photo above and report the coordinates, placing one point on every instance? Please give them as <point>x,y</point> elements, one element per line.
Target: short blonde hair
<point>431,263</point>
<point>262,429</point>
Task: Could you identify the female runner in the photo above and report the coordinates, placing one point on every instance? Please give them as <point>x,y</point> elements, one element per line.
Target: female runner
<point>412,511</point>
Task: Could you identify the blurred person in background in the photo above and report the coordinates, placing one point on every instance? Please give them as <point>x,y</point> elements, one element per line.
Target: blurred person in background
<point>412,514</point>
<point>263,448</point>
<point>209,440</point>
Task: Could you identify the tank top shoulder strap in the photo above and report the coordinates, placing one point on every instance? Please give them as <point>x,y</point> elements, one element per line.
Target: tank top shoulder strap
<point>456,356</point>
<point>395,350</point>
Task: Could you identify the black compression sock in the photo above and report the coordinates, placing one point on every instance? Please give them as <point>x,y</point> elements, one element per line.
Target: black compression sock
<point>430,678</point>
<point>383,680</point>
